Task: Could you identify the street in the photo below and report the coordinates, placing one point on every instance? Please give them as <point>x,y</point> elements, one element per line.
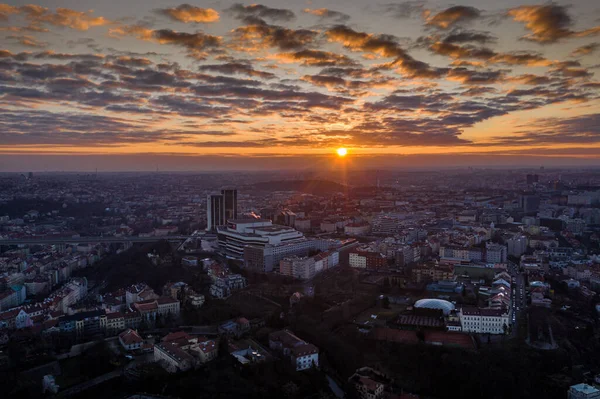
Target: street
<point>519,299</point>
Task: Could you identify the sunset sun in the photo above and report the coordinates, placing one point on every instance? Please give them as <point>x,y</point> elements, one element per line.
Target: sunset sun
<point>342,152</point>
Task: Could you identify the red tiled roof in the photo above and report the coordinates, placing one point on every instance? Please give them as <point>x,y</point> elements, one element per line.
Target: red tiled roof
<point>146,306</point>
<point>304,350</point>
<point>369,383</point>
<point>11,314</point>
<point>114,315</point>
<point>129,337</point>
<point>208,346</point>
<point>175,336</point>
<point>164,300</point>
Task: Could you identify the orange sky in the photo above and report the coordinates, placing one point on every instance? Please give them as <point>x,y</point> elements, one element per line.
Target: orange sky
<point>287,78</point>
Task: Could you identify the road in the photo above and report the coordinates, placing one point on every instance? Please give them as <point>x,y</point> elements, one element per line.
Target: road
<point>85,240</point>
<point>519,298</point>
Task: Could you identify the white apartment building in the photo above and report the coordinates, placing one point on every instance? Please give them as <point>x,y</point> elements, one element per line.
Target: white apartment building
<point>301,268</point>
<point>172,358</point>
<point>483,321</point>
<point>305,356</point>
<point>495,253</point>
<point>302,354</point>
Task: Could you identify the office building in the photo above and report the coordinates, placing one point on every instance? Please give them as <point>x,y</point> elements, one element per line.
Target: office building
<point>215,211</point>
<point>529,202</point>
<point>229,204</point>
<point>532,178</point>
<point>239,233</point>
<point>265,259</point>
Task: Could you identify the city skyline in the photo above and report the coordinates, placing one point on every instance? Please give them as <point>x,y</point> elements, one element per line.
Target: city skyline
<point>140,85</point>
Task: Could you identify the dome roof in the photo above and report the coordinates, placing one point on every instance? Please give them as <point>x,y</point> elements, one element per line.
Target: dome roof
<point>537,284</point>
<point>431,303</point>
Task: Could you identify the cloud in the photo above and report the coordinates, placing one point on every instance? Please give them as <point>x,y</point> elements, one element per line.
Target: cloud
<point>452,16</point>
<point>586,50</point>
<point>532,80</point>
<point>195,43</point>
<point>188,13</point>
<point>281,84</point>
<point>232,68</point>
<point>488,55</point>
<point>467,36</point>
<point>327,81</point>
<point>548,23</point>
<point>470,77</point>
<point>6,10</point>
<point>407,9</point>
<point>259,35</point>
<point>62,17</point>
<point>384,46</point>
<point>317,58</point>
<point>132,61</point>
<point>43,128</point>
<point>27,40</point>
<point>260,11</point>
<point>584,129</point>
<point>325,13</point>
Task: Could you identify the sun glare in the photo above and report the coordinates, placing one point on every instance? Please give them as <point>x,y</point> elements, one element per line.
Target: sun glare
<point>342,152</point>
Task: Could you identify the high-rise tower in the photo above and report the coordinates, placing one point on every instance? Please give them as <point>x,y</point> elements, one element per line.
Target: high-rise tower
<point>230,203</point>
<point>215,211</point>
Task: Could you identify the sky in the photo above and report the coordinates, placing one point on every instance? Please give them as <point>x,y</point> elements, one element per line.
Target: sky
<point>141,84</point>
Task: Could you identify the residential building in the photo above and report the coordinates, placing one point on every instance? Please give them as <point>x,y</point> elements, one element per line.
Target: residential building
<point>302,354</point>
<point>370,383</point>
<point>172,358</point>
<point>367,260</point>
<point>224,286</point>
<point>517,245</point>
<point>115,323</point>
<point>205,351</point>
<point>495,253</point>
<point>130,340</point>
<point>300,268</point>
<point>583,391</point>
<point>82,324</point>
<point>235,328</point>
<point>138,293</point>
<point>366,387</point>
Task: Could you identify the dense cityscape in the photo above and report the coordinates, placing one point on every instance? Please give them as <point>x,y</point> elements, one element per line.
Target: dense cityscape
<point>371,284</point>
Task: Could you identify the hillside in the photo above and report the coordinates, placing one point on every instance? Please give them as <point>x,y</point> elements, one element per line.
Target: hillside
<point>133,266</point>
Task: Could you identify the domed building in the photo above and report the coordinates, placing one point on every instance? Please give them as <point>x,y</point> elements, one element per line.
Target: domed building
<point>431,303</point>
